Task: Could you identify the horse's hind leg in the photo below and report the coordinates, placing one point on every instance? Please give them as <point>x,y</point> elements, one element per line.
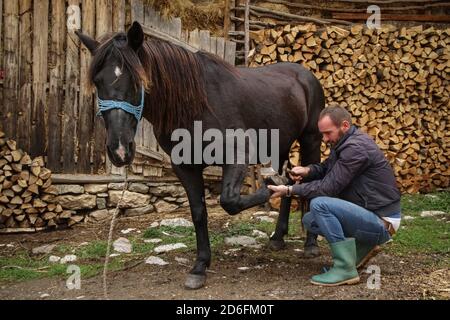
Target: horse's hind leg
<point>231,199</point>
<point>192,180</point>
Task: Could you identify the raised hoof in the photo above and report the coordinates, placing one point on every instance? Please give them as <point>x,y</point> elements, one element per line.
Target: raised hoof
<point>276,180</point>
<point>311,252</point>
<point>195,281</point>
<point>276,245</point>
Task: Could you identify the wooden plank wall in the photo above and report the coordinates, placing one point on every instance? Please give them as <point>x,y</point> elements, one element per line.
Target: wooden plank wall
<point>56,83</point>
<point>71,102</point>
<point>25,72</point>
<point>86,123</point>
<point>40,60</point>
<point>48,106</point>
<point>11,66</point>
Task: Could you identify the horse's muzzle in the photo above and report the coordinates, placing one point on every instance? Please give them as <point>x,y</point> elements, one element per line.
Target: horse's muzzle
<point>121,156</point>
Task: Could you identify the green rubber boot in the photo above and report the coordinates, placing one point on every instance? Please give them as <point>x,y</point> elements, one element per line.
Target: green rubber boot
<point>364,253</point>
<point>344,267</point>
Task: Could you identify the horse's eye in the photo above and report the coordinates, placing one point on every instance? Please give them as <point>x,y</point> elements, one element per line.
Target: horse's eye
<point>96,80</point>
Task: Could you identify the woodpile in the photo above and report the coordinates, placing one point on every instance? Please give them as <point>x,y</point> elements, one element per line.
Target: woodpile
<point>27,197</point>
<point>394,81</point>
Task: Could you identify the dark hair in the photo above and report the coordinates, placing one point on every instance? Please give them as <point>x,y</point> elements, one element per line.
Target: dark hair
<point>172,76</point>
<point>337,114</point>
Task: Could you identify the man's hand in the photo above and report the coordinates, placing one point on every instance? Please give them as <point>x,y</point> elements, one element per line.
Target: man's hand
<point>298,173</point>
<point>279,191</point>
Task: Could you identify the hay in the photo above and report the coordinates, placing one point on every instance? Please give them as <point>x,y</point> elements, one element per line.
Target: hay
<point>195,14</point>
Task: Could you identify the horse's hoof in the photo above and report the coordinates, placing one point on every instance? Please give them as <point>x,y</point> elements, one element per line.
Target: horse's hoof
<point>311,252</point>
<point>277,245</point>
<point>276,180</point>
<point>195,281</point>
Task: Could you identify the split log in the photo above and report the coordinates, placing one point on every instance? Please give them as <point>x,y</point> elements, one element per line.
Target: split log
<point>393,80</point>
<point>27,197</point>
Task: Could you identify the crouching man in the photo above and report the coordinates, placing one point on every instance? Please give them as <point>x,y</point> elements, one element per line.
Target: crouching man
<point>355,203</point>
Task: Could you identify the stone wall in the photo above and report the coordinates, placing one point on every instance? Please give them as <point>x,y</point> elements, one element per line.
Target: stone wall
<point>97,202</point>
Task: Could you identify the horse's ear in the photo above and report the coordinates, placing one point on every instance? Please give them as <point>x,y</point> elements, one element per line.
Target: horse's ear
<point>135,36</point>
<point>90,43</point>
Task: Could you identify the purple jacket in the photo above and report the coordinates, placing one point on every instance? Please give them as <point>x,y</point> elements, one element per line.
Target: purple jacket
<point>356,171</point>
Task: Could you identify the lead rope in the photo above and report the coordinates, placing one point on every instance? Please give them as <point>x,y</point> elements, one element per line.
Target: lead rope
<point>111,229</point>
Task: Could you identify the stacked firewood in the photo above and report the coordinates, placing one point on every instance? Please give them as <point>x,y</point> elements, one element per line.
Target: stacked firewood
<point>394,81</point>
<point>27,197</point>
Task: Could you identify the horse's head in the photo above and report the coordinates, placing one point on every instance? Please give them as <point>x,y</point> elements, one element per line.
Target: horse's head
<point>120,79</point>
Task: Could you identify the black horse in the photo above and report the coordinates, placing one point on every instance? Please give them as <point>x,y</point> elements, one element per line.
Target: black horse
<point>182,87</point>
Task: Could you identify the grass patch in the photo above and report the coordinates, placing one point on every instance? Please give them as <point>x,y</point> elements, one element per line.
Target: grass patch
<point>94,250</point>
<point>170,235</point>
<point>419,202</point>
<point>140,247</point>
<point>424,235</point>
<point>22,267</point>
<point>429,235</point>
<point>240,229</point>
<point>295,224</point>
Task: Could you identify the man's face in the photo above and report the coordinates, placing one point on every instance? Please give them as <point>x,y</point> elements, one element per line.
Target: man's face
<point>331,133</point>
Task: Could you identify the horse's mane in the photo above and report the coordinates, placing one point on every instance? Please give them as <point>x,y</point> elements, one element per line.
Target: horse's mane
<point>172,76</point>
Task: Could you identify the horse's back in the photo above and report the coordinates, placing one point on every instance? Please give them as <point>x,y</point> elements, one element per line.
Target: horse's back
<point>286,69</point>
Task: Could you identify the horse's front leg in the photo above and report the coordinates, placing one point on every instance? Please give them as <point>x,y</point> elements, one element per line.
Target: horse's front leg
<point>231,199</point>
<point>192,180</point>
<point>282,227</point>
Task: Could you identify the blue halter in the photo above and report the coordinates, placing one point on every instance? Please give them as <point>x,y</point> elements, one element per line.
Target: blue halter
<point>136,111</point>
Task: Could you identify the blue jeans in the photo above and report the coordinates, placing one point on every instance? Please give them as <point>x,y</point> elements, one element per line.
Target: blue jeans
<point>337,219</point>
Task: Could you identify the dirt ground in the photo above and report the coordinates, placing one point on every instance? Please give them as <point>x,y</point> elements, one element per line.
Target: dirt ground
<point>270,275</point>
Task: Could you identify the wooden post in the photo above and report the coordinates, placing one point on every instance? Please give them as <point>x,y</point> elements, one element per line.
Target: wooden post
<point>176,28</point>
<point>118,13</point>
<point>221,47</point>
<point>213,46</point>
<point>1,46</point>
<point>104,17</point>
<point>103,25</point>
<point>252,179</point>
<point>240,27</point>
<point>11,59</point>
<point>152,18</point>
<point>56,82</point>
<point>226,19</point>
<point>70,112</point>
<point>87,106</point>
<point>40,50</point>
<point>205,40</point>
<point>247,31</point>
<point>25,79</point>
<point>137,11</point>
<point>194,39</point>
<point>230,52</point>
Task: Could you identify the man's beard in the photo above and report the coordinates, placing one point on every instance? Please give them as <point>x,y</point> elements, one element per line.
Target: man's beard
<point>333,144</point>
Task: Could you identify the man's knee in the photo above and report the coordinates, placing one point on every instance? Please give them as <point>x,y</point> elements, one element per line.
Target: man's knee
<point>319,204</point>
